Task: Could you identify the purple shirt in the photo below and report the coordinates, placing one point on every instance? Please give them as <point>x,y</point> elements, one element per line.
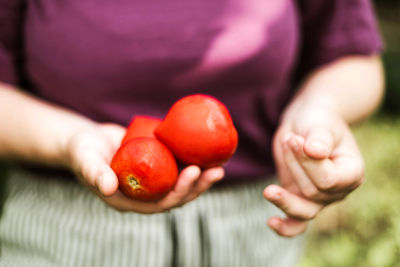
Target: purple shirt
<point>110,60</point>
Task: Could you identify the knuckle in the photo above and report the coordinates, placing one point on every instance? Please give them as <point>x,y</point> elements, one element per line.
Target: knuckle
<point>310,193</point>
<point>358,175</point>
<point>328,183</point>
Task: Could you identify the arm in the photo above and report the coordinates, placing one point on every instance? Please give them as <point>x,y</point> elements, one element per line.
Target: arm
<point>317,158</point>
<point>36,131</point>
<point>352,87</point>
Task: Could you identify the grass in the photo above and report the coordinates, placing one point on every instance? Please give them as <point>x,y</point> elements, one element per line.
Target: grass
<point>364,229</point>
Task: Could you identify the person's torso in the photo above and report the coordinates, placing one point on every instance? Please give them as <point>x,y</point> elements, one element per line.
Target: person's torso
<point>110,60</point>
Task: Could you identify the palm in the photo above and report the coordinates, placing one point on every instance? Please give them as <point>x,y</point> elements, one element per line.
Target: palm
<point>90,153</point>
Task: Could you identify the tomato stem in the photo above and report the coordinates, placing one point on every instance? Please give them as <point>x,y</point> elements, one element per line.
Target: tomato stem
<point>133,182</point>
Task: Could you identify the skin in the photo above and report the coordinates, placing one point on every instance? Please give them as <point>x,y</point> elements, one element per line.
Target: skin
<point>67,139</point>
<point>317,158</point>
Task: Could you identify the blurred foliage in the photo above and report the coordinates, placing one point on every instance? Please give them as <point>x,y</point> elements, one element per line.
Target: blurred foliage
<point>389,19</point>
<point>364,229</point>
<point>391,102</point>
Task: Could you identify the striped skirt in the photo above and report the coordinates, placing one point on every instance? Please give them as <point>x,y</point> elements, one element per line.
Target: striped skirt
<point>56,222</point>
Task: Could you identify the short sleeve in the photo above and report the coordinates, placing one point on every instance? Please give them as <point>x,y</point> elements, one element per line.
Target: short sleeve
<point>333,29</point>
<point>11,23</point>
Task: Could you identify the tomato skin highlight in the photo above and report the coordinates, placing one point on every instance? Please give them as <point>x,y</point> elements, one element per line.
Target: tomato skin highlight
<point>146,169</point>
<point>199,130</point>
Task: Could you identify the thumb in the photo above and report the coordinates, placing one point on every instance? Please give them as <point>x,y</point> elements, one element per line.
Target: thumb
<point>107,182</point>
<point>319,143</point>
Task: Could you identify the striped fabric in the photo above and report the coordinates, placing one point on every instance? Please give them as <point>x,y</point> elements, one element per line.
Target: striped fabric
<point>54,222</point>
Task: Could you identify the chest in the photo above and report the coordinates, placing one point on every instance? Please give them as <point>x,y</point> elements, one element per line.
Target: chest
<point>176,41</point>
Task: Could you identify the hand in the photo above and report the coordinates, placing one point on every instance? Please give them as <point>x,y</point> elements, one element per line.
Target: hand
<point>318,162</point>
<point>89,154</point>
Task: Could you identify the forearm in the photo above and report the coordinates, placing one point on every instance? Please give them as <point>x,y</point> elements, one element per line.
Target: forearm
<point>351,87</point>
<point>33,130</point>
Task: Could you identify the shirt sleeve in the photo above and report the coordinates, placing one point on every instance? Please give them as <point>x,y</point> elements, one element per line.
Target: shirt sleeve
<point>11,23</point>
<point>333,29</point>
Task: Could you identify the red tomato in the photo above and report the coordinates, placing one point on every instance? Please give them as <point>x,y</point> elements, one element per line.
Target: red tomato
<point>141,126</point>
<point>199,130</point>
<point>146,169</point>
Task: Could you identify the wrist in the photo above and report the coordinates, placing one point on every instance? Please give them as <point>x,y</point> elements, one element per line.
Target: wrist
<point>306,106</point>
<point>351,87</point>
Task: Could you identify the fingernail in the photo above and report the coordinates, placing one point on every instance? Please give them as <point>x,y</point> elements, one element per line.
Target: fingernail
<point>319,145</point>
<point>276,196</point>
<point>273,194</point>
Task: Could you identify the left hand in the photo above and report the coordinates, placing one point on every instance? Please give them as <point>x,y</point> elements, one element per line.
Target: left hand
<point>88,153</point>
<point>318,163</point>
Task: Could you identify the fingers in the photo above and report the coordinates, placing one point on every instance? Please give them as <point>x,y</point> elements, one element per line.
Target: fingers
<point>96,173</point>
<point>186,181</point>
<point>319,143</point>
<point>89,154</point>
<point>290,146</point>
<point>287,227</point>
<point>294,206</point>
<point>340,174</point>
<point>207,179</point>
<point>191,183</point>
<point>107,182</point>
<point>284,174</point>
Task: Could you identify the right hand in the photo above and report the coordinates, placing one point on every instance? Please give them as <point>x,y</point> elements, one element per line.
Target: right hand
<point>89,153</point>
